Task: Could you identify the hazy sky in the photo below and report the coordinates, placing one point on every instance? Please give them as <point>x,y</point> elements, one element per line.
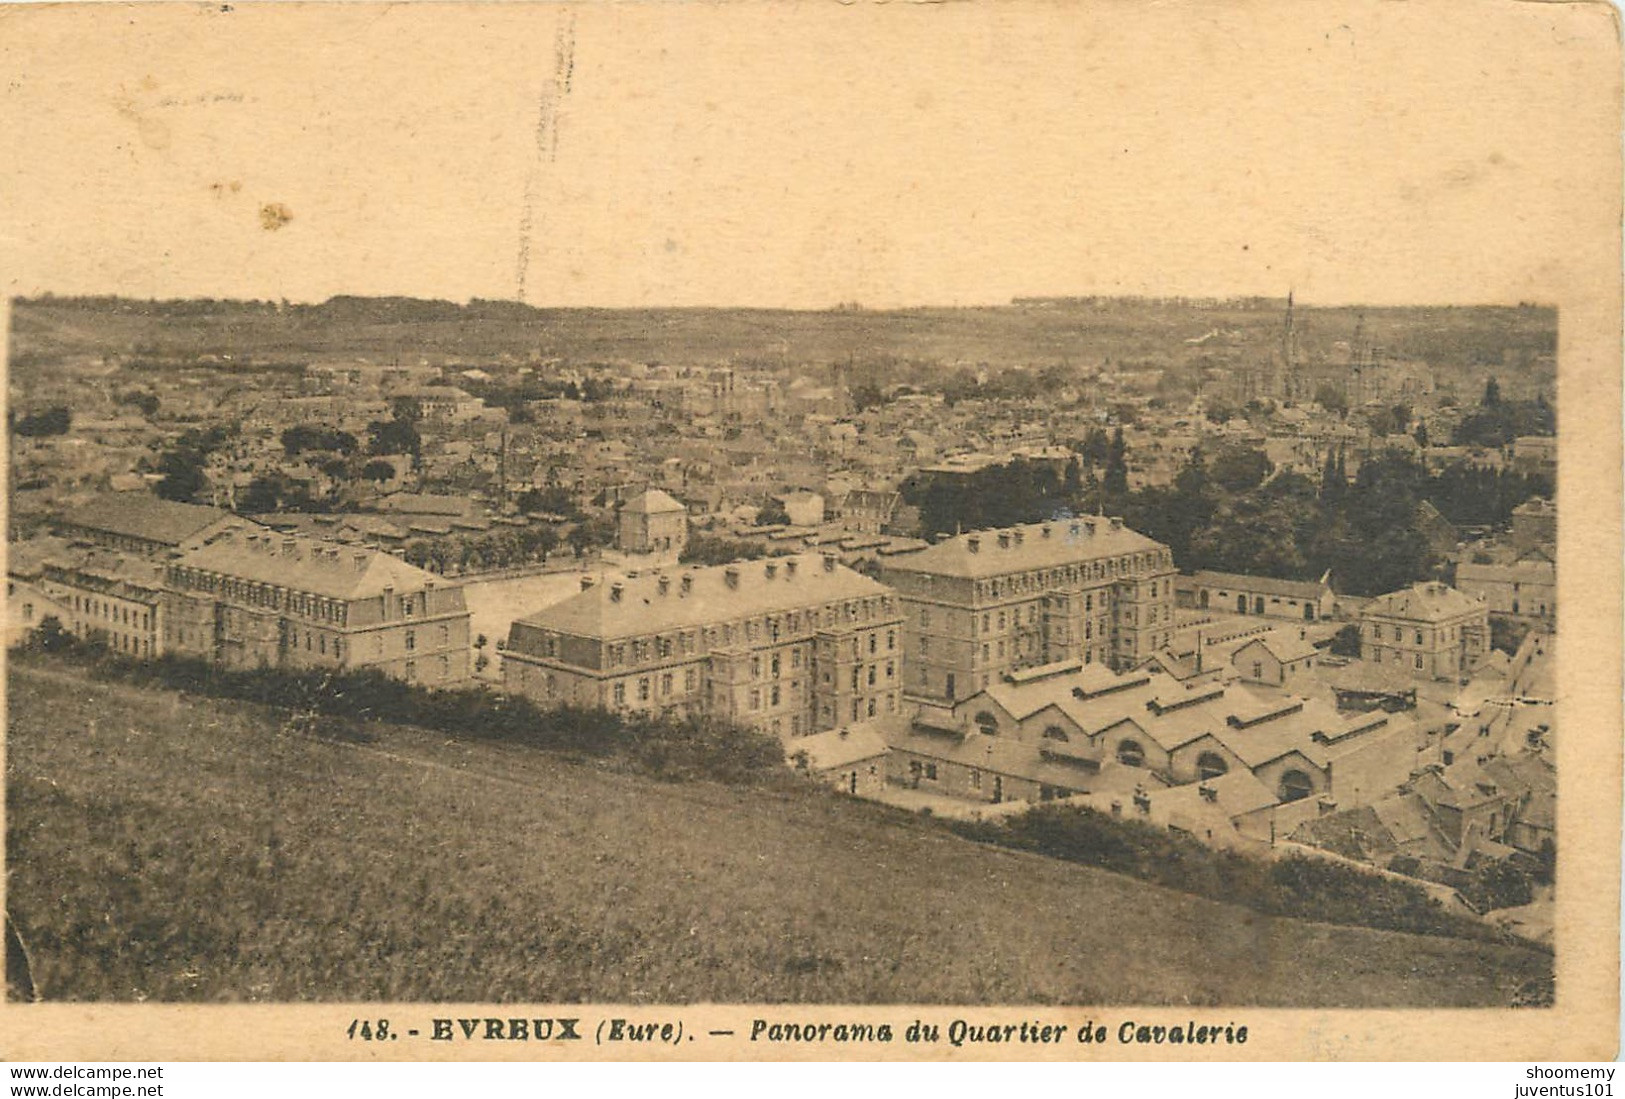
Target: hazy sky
<point>806,154</point>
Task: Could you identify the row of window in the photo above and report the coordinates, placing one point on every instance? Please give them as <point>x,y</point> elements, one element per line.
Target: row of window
<point>109,611</point>
<point>645,686</point>
<point>1046,579</point>
<point>859,709</point>
<point>1446,635</point>
<point>1396,657</point>
<point>771,628</point>
<point>260,594</point>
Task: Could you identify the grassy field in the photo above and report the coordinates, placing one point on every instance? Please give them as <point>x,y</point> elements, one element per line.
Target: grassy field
<point>167,848</point>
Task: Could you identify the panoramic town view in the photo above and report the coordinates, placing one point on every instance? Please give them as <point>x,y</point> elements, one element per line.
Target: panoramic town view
<point>1077,650</point>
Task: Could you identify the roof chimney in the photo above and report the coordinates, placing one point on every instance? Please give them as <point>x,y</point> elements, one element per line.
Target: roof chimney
<point>361,562</point>
<point>1004,539</point>
<point>1017,536</point>
<point>1046,530</point>
<point>974,544</point>
<point>829,562</point>
<point>790,564</point>
<point>615,590</point>
<point>663,584</point>
<point>289,545</point>
<point>586,582</point>
<point>730,576</point>
<point>1117,522</point>
<point>686,584</point>
<point>770,569</point>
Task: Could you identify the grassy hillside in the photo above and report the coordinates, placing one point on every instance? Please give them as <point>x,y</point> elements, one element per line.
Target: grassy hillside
<point>179,849</point>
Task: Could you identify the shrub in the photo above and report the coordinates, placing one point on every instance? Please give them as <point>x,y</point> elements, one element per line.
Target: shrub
<point>670,748</point>
<point>1297,886</point>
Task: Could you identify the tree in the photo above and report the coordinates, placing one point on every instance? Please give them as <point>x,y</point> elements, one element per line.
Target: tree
<point>1072,479</point>
<point>866,396</point>
<point>378,470</point>
<point>1332,398</point>
<point>1116,476</point>
<point>1346,641</point>
<point>302,437</point>
<point>1239,469</point>
<point>590,533</point>
<point>55,420</point>
<point>545,540</point>
<point>1422,434</point>
<point>773,513</point>
<point>51,637</point>
<point>183,477</point>
<point>1492,394</point>
<point>394,437</point>
<point>1332,485</point>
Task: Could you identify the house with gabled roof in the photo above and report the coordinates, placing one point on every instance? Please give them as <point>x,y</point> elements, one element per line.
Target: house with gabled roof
<point>1274,659</point>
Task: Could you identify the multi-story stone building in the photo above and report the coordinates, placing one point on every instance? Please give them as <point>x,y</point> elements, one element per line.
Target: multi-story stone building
<point>248,598</point>
<point>653,522</point>
<point>791,645</point>
<point>110,597</point>
<point>981,605</point>
<point>1429,631</point>
<point>1523,589</point>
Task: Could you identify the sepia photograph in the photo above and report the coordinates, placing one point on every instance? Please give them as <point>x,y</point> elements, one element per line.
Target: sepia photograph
<point>762,514</point>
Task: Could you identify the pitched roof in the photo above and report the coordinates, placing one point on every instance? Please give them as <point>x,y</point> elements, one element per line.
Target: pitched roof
<point>308,565</point>
<point>425,503</point>
<point>652,502</point>
<point>841,747</point>
<point>1284,649</point>
<point>146,517</point>
<point>1029,546</point>
<point>1428,602</point>
<point>997,755</point>
<point>628,606</point>
<point>1525,570</point>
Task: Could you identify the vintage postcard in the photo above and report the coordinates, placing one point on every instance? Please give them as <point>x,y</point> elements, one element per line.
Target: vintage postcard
<point>1036,531</point>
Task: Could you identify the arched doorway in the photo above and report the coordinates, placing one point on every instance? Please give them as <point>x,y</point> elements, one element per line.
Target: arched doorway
<point>1211,765</point>
<point>1295,786</point>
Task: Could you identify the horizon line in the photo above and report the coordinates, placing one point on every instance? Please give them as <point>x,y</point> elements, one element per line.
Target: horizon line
<point>852,306</point>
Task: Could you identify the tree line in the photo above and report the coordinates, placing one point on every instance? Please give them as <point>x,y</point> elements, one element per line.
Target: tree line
<point>1233,512</point>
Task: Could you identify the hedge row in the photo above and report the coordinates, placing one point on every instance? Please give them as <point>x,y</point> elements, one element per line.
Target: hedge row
<point>1297,886</point>
<point>340,704</point>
